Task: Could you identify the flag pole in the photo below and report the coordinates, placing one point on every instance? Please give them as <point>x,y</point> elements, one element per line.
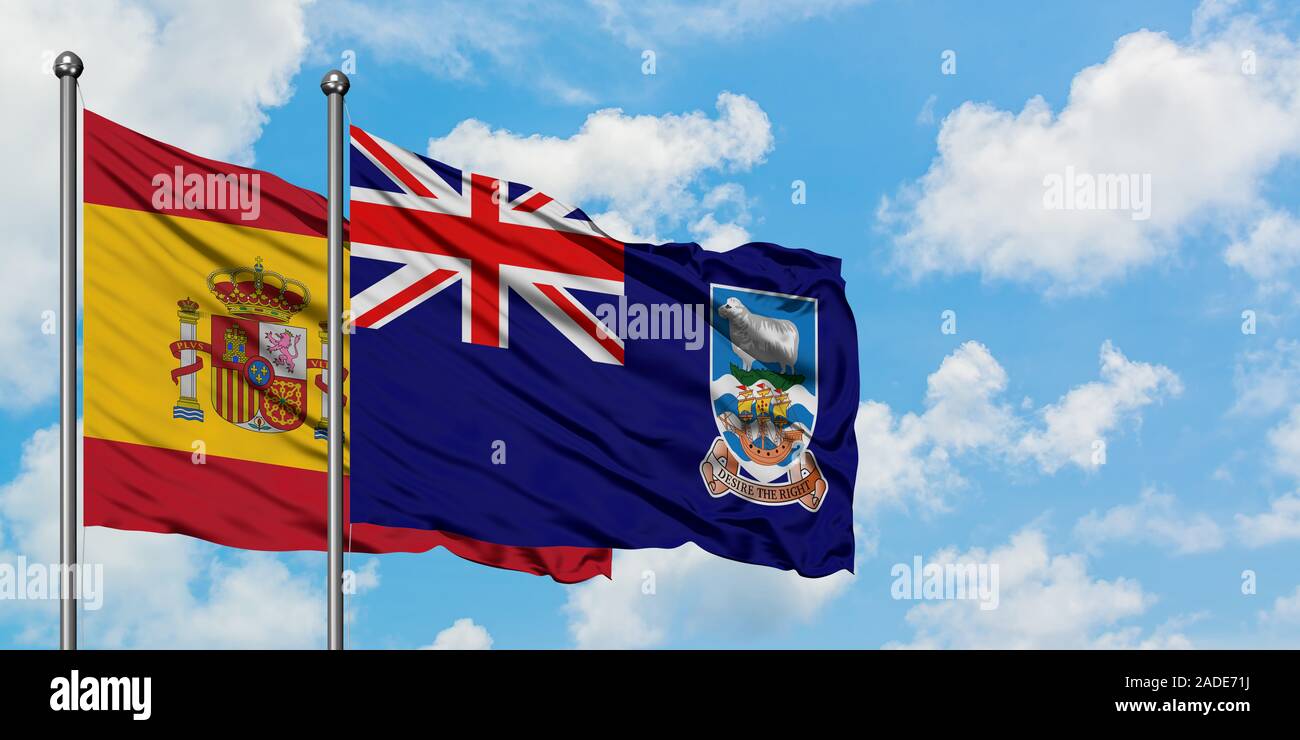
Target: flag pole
<point>68,67</point>
<point>335,85</point>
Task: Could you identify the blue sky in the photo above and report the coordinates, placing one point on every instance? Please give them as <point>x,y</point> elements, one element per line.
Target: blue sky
<point>1071,327</point>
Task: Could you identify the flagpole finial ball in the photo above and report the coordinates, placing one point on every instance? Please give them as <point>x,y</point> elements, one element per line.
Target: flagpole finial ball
<point>68,64</point>
<point>334,81</point>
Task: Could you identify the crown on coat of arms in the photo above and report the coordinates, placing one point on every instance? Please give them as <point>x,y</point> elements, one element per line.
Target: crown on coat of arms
<point>257,293</point>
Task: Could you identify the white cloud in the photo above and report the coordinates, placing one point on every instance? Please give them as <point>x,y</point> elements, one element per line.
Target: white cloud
<point>909,459</point>
<point>472,40</point>
<point>730,201</point>
<point>1154,106</point>
<point>444,37</point>
<point>662,595</point>
<point>674,21</point>
<point>1269,251</point>
<point>718,237</point>
<point>26,501</point>
<point>642,167</point>
<point>365,578</point>
<point>1284,439</point>
<point>1279,524</point>
<point>463,634</point>
<point>1268,380</point>
<point>199,75</point>
<point>1090,412</point>
<point>960,411</point>
<point>1155,519</point>
<point>566,92</point>
<point>1285,611</point>
<point>898,464</point>
<point>925,117</point>
<point>1046,601</point>
<point>1166,636</point>
<point>159,590</point>
<point>254,602</point>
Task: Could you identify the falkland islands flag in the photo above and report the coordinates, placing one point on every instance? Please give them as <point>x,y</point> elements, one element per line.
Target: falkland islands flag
<point>522,378</point>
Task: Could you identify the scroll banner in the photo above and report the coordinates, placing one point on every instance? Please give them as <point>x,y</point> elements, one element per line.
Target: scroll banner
<point>721,474</point>
<point>323,364</point>
<point>182,345</point>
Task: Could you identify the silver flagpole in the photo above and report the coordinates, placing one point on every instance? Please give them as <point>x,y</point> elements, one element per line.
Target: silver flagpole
<point>335,85</point>
<point>67,67</point>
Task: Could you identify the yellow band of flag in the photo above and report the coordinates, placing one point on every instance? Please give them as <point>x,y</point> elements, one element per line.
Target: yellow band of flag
<point>142,266</point>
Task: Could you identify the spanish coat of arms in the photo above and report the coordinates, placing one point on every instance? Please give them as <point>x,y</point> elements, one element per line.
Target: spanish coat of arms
<point>259,360</point>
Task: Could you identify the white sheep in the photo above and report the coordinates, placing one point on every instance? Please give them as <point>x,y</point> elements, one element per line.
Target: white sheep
<point>761,338</point>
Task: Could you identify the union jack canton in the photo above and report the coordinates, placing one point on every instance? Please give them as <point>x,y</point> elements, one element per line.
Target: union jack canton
<point>445,226</point>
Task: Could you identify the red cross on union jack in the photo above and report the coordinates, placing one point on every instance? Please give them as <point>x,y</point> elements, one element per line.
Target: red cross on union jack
<point>448,227</point>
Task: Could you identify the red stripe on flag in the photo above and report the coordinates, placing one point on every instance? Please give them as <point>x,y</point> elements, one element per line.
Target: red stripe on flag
<point>589,326</point>
<point>533,203</point>
<point>275,508</point>
<point>386,159</point>
<point>123,167</point>
<point>413,291</point>
<point>507,244</point>
<point>217,377</point>
<point>485,273</point>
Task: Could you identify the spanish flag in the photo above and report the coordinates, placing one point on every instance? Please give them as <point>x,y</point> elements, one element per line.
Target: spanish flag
<point>204,370</point>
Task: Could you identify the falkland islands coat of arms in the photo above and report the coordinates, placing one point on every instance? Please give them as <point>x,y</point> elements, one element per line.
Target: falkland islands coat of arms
<point>259,359</point>
<point>763,372</point>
